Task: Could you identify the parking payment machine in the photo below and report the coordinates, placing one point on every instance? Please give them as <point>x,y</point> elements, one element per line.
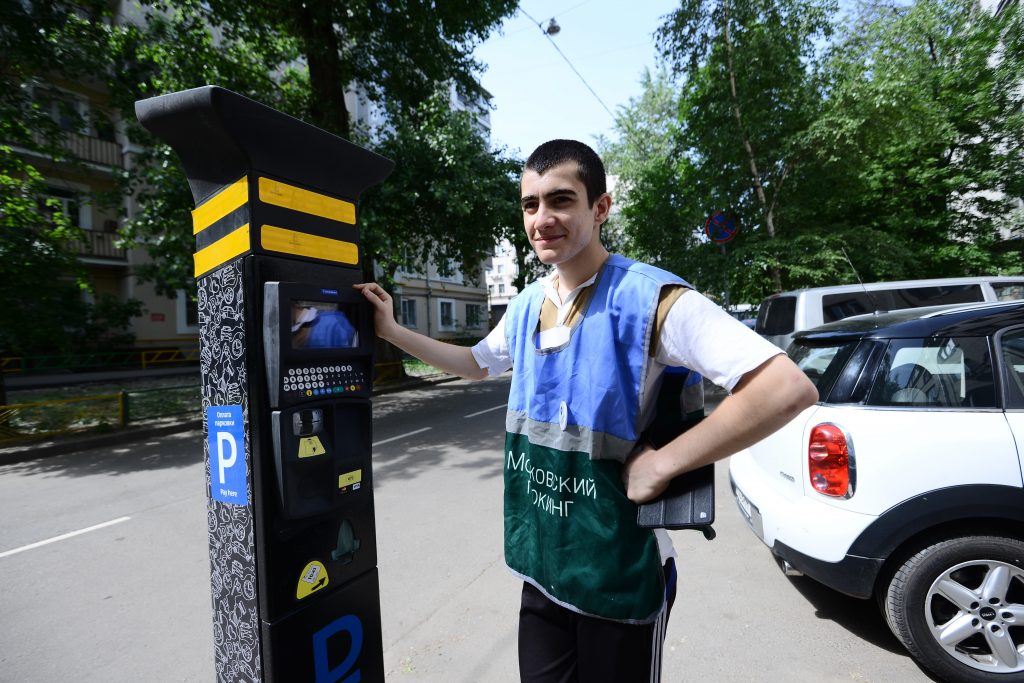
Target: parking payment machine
<point>286,347</point>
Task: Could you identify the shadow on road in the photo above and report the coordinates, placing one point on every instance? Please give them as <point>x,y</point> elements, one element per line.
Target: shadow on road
<point>452,441</point>
<point>862,618</point>
<point>172,451</point>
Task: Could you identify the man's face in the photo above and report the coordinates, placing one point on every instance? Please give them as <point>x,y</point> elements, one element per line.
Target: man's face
<point>559,223</point>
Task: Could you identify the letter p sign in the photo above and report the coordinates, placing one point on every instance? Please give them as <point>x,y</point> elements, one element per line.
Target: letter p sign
<point>225,443</point>
<point>225,429</point>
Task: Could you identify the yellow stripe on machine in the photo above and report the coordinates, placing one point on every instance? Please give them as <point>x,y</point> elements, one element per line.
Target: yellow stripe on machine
<point>286,241</point>
<point>224,249</point>
<point>220,205</point>
<point>295,198</point>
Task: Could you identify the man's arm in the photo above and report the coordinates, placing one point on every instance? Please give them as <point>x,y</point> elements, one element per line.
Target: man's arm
<point>764,400</point>
<point>457,360</point>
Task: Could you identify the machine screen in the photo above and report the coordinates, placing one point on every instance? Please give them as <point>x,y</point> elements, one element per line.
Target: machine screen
<point>323,325</point>
<point>317,342</point>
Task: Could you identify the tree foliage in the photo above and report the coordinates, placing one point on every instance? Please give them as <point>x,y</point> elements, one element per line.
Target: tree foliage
<point>924,108</point>
<point>893,138</point>
<point>449,198</point>
<point>301,59</point>
<point>50,305</point>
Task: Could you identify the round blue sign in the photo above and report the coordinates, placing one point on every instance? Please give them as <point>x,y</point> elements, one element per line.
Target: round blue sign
<point>721,226</point>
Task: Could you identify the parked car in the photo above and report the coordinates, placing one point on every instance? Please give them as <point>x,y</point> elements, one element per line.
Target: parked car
<point>903,482</point>
<point>780,316</point>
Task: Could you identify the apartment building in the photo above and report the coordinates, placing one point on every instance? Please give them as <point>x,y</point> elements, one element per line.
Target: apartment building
<point>451,306</point>
<point>500,275</point>
<point>84,182</point>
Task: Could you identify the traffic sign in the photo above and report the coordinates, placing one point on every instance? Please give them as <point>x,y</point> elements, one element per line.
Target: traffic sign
<point>721,226</point>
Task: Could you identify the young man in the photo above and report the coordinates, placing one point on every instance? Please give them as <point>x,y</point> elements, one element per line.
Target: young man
<point>587,345</point>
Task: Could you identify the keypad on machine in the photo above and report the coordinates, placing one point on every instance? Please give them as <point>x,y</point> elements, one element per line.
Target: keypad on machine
<point>323,380</point>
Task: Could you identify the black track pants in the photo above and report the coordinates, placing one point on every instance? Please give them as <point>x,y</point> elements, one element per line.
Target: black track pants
<point>557,645</point>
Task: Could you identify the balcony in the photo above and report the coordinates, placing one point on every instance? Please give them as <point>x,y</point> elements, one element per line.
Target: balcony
<point>100,245</point>
<point>91,149</point>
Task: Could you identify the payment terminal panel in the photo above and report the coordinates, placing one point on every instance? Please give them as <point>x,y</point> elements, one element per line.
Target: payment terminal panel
<point>318,343</point>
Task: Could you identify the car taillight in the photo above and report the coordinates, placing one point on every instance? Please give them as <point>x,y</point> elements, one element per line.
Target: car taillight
<point>830,461</point>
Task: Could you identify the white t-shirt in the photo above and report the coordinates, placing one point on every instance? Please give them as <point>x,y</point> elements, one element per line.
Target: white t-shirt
<point>696,334</point>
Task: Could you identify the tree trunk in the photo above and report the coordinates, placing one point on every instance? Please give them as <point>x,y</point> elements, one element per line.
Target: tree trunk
<point>326,73</point>
<point>327,109</point>
<point>388,366</point>
<point>769,219</point>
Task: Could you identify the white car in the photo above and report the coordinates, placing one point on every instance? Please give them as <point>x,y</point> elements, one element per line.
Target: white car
<point>904,483</point>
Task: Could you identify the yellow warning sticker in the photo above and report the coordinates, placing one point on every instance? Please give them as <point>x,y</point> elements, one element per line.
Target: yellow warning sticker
<point>313,578</point>
<point>310,446</point>
<point>350,481</point>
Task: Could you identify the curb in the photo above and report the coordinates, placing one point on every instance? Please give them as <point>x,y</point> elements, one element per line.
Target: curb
<point>72,443</point>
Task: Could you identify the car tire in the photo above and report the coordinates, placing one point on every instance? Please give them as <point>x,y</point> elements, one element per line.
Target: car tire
<point>958,607</point>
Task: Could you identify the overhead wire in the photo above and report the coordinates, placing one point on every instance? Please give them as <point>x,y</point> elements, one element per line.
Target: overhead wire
<point>553,16</point>
<point>555,45</point>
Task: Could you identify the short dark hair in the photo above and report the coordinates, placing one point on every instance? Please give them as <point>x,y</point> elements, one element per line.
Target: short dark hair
<point>589,168</point>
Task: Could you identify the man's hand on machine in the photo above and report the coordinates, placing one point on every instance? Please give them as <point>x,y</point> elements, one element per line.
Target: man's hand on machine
<point>457,360</point>
<point>383,308</point>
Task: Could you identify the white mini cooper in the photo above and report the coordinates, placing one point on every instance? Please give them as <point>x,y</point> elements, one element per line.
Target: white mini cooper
<point>904,482</point>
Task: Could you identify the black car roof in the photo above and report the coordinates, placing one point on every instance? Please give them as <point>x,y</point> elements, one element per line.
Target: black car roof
<point>958,320</point>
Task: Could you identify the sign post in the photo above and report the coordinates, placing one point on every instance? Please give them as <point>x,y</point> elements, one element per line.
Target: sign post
<point>286,354</point>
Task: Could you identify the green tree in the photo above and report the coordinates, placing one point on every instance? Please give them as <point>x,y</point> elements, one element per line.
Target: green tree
<point>925,110</point>
<point>397,50</point>
<point>450,197</point>
<point>302,59</point>
<point>180,45</point>
<point>654,221</point>
<point>728,133</point>
<point>893,151</point>
<point>49,301</point>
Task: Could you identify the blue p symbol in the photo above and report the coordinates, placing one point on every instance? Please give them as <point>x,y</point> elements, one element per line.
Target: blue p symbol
<point>321,665</point>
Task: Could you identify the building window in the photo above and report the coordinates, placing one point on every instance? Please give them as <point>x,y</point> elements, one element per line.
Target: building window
<point>68,110</point>
<point>78,212</point>
<point>450,272</point>
<point>446,314</point>
<point>187,318</point>
<point>474,315</point>
<point>409,312</point>
<point>501,289</point>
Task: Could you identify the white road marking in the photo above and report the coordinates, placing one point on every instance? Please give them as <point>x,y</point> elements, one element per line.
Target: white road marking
<point>401,436</point>
<point>486,411</point>
<point>70,534</point>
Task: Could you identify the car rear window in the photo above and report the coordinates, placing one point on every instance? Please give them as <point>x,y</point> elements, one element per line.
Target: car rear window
<point>1008,291</point>
<point>777,316</point>
<point>838,306</point>
<point>1012,346</point>
<point>940,372</point>
<point>821,363</point>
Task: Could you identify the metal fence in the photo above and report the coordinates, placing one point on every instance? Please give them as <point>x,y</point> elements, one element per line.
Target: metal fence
<point>95,414</point>
<point>21,422</point>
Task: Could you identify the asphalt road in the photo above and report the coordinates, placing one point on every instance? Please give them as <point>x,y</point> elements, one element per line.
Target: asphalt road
<point>129,600</point>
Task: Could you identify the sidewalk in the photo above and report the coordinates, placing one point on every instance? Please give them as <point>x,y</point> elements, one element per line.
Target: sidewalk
<point>19,382</point>
<point>143,429</point>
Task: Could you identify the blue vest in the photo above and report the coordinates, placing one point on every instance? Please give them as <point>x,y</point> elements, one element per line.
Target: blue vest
<point>573,418</point>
